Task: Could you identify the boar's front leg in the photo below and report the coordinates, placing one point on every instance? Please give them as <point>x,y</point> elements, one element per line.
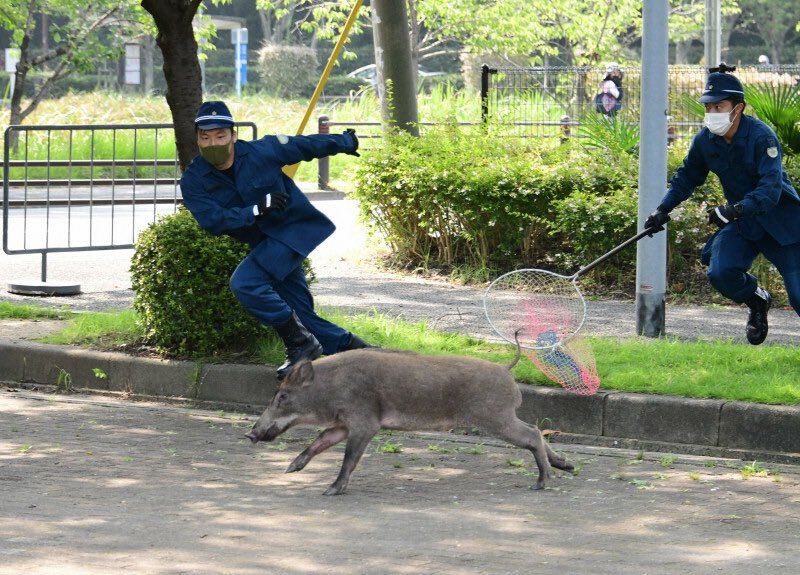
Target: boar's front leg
<point>356,445</point>
<point>324,440</point>
<point>529,437</point>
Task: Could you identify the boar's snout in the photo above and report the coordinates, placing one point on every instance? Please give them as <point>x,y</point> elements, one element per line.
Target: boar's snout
<point>263,434</point>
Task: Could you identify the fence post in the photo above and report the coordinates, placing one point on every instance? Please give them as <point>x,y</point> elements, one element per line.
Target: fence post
<point>566,129</point>
<point>484,94</point>
<point>672,135</point>
<point>323,164</point>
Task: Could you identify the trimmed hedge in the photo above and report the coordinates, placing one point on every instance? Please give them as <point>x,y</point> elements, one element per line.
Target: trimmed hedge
<point>287,71</point>
<point>456,199</point>
<point>180,278</point>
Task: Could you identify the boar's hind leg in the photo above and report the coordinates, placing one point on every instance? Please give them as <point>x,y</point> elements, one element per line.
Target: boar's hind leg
<point>528,437</point>
<point>324,440</point>
<point>356,445</point>
<point>555,459</point>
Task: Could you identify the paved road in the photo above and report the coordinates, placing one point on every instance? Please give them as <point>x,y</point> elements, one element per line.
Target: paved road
<point>93,486</point>
<point>347,284</point>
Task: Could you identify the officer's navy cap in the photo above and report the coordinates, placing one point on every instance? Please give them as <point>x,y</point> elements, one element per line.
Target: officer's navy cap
<point>213,115</point>
<point>721,86</point>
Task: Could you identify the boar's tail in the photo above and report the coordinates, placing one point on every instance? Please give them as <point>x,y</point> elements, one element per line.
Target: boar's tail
<point>511,365</point>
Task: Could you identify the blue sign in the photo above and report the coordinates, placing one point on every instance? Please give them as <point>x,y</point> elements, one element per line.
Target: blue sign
<point>242,61</point>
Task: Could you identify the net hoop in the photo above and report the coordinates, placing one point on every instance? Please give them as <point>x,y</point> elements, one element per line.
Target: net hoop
<point>492,292</point>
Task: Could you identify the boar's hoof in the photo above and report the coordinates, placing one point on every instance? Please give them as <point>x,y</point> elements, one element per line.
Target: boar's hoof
<point>298,464</point>
<point>334,490</point>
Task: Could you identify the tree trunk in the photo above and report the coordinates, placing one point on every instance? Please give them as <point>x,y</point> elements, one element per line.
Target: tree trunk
<point>397,79</point>
<point>175,38</point>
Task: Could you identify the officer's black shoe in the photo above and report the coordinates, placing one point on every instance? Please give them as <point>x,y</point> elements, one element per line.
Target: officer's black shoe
<point>757,326</point>
<point>356,343</point>
<point>300,344</point>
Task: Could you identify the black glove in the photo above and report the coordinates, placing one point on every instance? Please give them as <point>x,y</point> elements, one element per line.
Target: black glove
<point>352,133</point>
<point>273,202</point>
<point>657,220</point>
<point>721,216</point>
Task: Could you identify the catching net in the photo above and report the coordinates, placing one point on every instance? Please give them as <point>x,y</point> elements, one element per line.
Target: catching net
<point>547,310</point>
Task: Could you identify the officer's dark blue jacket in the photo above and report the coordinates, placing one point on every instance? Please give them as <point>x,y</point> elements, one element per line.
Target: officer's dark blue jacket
<point>751,174</point>
<point>221,206</point>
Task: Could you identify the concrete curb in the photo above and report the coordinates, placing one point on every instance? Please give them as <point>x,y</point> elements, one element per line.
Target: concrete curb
<point>630,420</point>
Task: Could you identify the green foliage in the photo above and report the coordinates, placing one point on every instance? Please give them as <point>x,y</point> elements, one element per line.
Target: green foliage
<point>691,103</point>
<point>455,199</point>
<point>595,223</point>
<point>180,275</point>
<point>610,134</point>
<point>287,71</point>
<point>778,106</point>
<point>475,205</point>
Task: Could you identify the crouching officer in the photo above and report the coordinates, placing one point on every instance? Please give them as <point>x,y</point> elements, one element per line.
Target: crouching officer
<point>762,213</point>
<point>237,188</point>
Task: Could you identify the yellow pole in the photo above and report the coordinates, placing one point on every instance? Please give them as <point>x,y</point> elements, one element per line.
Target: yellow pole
<point>291,170</point>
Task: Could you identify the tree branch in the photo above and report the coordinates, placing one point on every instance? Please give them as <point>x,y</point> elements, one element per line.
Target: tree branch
<point>62,70</point>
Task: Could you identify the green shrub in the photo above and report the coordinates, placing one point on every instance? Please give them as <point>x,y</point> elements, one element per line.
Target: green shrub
<point>459,198</point>
<point>344,85</point>
<point>595,223</point>
<point>287,71</point>
<point>180,278</point>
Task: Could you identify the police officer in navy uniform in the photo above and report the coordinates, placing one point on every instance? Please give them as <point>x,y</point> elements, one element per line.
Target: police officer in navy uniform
<point>238,188</point>
<point>762,209</point>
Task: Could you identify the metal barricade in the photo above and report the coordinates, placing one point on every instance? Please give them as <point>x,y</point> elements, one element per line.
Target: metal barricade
<point>86,187</point>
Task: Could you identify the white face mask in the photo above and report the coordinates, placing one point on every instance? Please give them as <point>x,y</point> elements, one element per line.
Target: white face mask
<point>718,122</point>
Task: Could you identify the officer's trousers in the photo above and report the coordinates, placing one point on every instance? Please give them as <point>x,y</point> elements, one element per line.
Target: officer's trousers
<point>271,292</point>
<point>732,256</point>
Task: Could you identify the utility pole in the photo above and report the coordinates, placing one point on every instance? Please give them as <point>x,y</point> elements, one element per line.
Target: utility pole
<point>713,33</point>
<point>396,77</point>
<point>651,254</point>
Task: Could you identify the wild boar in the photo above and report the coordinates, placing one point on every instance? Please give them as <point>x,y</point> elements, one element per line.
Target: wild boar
<point>356,393</point>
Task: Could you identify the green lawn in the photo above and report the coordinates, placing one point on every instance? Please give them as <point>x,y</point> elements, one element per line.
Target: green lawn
<point>702,369</point>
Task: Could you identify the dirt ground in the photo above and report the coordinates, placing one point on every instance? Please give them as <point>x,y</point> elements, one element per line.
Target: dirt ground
<point>96,485</point>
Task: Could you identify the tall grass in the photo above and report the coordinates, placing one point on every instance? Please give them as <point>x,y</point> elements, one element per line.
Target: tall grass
<point>270,114</point>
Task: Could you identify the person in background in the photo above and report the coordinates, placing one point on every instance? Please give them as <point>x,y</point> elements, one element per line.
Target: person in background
<point>609,100</point>
<point>238,188</point>
<point>762,210</point>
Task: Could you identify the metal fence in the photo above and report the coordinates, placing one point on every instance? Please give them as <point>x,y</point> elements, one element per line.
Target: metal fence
<point>86,187</point>
<point>543,101</point>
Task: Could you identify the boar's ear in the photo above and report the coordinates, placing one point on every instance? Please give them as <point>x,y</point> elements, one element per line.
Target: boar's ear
<point>303,372</point>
